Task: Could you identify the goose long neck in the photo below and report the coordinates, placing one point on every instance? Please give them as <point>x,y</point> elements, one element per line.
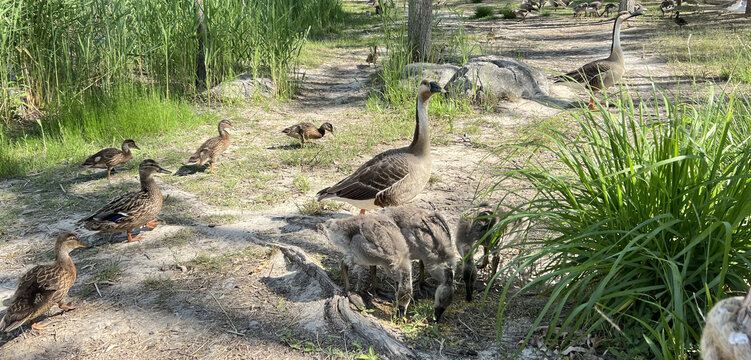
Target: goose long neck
<point>616,52</point>
<point>421,140</point>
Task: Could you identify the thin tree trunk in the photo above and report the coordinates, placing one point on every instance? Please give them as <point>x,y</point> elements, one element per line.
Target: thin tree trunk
<point>203,35</point>
<point>628,5</point>
<point>419,28</point>
<point>679,3</point>
<point>748,9</point>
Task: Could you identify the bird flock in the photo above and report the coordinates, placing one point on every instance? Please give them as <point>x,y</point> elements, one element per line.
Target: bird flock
<point>391,238</point>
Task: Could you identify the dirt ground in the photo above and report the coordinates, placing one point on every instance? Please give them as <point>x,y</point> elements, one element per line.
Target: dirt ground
<point>209,283</point>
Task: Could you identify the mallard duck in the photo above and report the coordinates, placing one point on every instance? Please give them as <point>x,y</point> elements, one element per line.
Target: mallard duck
<point>604,73</point>
<point>727,334</point>
<point>110,157</point>
<point>43,286</point>
<point>132,210</point>
<point>396,176</point>
<point>212,148</point>
<point>373,56</point>
<point>307,131</point>
<point>679,20</point>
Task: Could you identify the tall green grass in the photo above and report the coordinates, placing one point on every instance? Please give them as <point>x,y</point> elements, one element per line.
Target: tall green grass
<point>66,136</point>
<point>58,49</point>
<point>647,210</point>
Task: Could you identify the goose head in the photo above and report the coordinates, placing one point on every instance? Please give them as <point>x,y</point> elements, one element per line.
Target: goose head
<point>429,88</point>
<point>625,15</point>
<point>444,294</point>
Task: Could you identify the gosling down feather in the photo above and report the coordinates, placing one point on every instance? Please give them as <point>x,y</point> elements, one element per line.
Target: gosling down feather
<point>132,210</point>
<point>110,157</point>
<point>212,148</point>
<point>43,286</point>
<point>395,176</point>
<point>604,73</point>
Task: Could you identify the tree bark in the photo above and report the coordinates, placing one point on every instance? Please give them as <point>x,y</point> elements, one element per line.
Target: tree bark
<point>419,28</point>
<point>628,5</point>
<point>748,9</point>
<point>203,35</point>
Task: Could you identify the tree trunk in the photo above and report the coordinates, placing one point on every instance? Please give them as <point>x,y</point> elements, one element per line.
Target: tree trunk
<point>203,36</point>
<point>748,9</point>
<point>628,5</point>
<point>419,28</point>
<point>679,2</point>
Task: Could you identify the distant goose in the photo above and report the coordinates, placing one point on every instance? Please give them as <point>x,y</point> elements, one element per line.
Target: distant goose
<point>679,20</point>
<point>604,73</point>
<point>609,8</point>
<point>667,6</point>
<point>110,157</point>
<point>396,176</point>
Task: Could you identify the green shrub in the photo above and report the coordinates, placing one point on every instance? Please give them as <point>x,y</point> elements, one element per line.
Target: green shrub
<point>508,13</point>
<point>482,12</point>
<point>648,221</point>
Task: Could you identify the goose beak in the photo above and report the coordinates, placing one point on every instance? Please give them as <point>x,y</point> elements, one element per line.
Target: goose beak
<point>435,88</point>
<point>636,13</point>
<point>164,171</point>
<point>438,312</point>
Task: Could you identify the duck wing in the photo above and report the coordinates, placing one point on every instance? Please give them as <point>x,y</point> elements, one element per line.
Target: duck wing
<point>120,210</point>
<point>102,157</point>
<point>35,292</point>
<point>205,151</point>
<point>372,178</point>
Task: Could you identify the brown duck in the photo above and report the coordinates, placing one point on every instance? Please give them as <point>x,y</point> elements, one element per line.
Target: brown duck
<point>132,210</point>
<point>43,286</point>
<point>373,56</point>
<point>307,131</point>
<point>601,74</point>
<point>212,148</point>
<point>110,157</point>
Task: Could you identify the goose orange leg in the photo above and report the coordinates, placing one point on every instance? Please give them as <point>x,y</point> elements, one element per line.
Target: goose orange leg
<point>131,238</point>
<point>151,224</point>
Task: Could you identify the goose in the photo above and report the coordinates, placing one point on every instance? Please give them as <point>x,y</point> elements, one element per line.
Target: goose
<point>520,13</point>
<point>601,74</point>
<point>110,157</point>
<point>579,10</point>
<point>307,131</point>
<point>727,333</point>
<point>428,238</point>
<point>591,11</point>
<point>396,176</point>
<point>679,20</point>
<point>373,56</point>
<point>43,286</point>
<point>667,6</point>
<point>557,4</point>
<point>131,210</point>
<point>212,148</point>
<point>475,227</point>
<point>373,240</point>
<point>609,8</point>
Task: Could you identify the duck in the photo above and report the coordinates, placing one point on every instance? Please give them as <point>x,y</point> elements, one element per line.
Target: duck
<point>372,240</point>
<point>131,210</point>
<point>307,131</point>
<point>727,333</point>
<point>428,238</point>
<point>396,176</point>
<point>667,6</point>
<point>609,8</point>
<point>212,148</point>
<point>373,56</point>
<point>601,74</point>
<point>678,20</point>
<point>110,157</point>
<point>43,286</point>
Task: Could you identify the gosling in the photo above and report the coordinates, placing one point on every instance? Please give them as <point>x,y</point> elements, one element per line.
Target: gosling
<point>476,227</point>
<point>373,240</point>
<point>728,329</point>
<point>429,240</point>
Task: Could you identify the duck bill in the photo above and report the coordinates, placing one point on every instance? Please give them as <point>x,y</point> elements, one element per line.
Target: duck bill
<point>164,171</point>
